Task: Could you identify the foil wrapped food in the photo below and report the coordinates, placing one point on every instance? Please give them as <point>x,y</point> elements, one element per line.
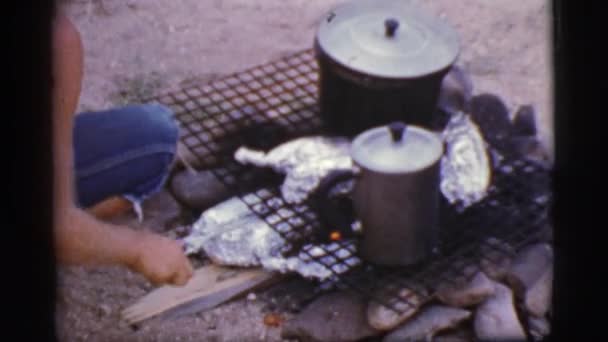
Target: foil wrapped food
<point>304,161</point>
<point>465,166</point>
<point>232,234</point>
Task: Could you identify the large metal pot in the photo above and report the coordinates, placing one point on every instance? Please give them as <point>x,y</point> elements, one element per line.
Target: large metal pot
<point>395,196</point>
<point>381,61</point>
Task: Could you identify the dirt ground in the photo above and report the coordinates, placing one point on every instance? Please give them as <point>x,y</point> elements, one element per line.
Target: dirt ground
<point>143,47</point>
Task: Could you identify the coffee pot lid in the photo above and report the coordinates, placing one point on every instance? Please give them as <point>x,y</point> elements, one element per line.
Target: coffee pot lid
<point>397,148</point>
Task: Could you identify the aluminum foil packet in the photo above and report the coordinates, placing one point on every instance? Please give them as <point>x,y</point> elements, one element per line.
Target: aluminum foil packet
<point>231,234</point>
<point>304,161</point>
<point>465,166</point>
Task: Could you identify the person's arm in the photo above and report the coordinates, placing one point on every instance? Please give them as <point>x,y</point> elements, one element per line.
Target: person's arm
<point>79,237</point>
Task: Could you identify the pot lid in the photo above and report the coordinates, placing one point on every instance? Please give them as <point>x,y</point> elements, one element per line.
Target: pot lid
<point>396,148</point>
<point>387,38</point>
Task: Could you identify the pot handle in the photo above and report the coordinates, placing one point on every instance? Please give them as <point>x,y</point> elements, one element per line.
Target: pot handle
<point>397,130</point>
<point>334,215</point>
<point>390,27</point>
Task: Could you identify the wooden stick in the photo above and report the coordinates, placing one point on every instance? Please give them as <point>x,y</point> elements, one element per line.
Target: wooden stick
<point>209,287</point>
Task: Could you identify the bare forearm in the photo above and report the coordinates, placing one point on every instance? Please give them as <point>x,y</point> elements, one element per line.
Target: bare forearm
<point>79,237</point>
<point>82,239</point>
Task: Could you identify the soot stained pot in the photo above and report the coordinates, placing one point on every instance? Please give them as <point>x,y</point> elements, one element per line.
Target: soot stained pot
<point>395,195</point>
<point>381,61</point>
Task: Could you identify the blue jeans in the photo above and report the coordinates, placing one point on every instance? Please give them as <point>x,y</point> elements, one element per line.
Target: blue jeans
<point>125,151</point>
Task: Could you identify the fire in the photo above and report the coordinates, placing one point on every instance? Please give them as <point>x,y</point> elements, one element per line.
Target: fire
<point>273,320</point>
<point>335,236</point>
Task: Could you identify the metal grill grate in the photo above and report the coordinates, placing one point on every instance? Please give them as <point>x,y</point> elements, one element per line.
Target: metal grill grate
<point>269,104</point>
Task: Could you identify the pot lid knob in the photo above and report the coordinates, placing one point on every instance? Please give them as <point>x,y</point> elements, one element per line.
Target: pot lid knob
<point>397,129</point>
<point>390,26</point>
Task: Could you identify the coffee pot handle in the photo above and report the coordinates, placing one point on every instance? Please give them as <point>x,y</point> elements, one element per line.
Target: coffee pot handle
<point>334,215</point>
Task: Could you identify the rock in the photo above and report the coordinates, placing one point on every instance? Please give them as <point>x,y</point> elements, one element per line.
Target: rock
<point>491,115</point>
<point>456,91</point>
<point>383,318</point>
<point>496,258</point>
<point>496,318</point>
<point>186,158</point>
<point>462,334</point>
<point>200,190</point>
<point>160,211</point>
<point>468,294</point>
<point>529,264</point>
<point>538,327</point>
<point>524,122</point>
<point>524,147</point>
<point>427,323</point>
<point>531,277</point>
<point>538,297</point>
<point>339,316</point>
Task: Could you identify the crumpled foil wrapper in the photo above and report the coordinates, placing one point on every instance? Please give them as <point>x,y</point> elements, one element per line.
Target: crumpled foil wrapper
<point>465,166</point>
<point>231,234</point>
<point>304,162</point>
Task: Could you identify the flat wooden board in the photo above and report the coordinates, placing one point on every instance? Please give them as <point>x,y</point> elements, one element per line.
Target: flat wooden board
<point>209,287</point>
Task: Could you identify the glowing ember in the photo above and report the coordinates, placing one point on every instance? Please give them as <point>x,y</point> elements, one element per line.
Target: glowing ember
<point>335,236</point>
<point>273,320</point>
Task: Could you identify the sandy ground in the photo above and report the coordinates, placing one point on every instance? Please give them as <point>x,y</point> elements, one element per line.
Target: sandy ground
<point>143,47</point>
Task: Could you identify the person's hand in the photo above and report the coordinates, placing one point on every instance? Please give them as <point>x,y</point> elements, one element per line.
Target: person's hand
<point>161,260</point>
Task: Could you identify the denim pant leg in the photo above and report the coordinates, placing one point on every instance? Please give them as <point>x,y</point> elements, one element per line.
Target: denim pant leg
<point>125,151</point>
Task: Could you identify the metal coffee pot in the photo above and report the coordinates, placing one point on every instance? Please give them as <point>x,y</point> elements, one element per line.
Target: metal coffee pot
<point>396,193</point>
